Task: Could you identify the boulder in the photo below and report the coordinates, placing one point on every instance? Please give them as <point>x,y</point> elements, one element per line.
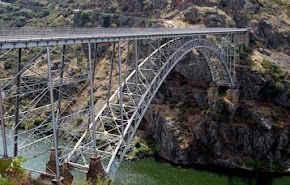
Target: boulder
<point>213,19</point>
<point>192,15</point>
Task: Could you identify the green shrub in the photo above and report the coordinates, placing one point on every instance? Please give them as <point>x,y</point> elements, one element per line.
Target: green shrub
<point>250,121</point>
<point>141,148</point>
<point>247,49</point>
<point>113,8</point>
<point>243,56</point>
<point>105,181</point>
<point>89,24</point>
<point>278,166</point>
<point>114,25</point>
<point>85,16</point>
<point>222,111</point>
<point>233,24</point>
<point>152,22</point>
<point>257,164</point>
<point>12,8</point>
<point>28,126</point>
<point>106,19</point>
<point>37,122</point>
<point>13,173</point>
<point>181,114</point>
<point>45,13</point>
<point>173,100</point>
<point>171,105</point>
<point>288,149</point>
<point>288,92</point>
<point>197,110</point>
<point>278,86</point>
<point>146,7</point>
<point>271,68</point>
<point>79,120</point>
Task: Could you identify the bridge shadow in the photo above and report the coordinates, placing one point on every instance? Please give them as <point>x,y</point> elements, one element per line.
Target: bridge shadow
<point>255,180</point>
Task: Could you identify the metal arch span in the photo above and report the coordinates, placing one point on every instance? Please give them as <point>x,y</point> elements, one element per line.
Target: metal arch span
<point>119,119</point>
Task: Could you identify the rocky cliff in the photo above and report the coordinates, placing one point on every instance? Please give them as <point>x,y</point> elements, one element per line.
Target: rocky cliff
<point>194,122</point>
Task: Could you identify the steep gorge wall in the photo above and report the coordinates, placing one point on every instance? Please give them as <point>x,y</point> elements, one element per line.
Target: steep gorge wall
<point>240,134</point>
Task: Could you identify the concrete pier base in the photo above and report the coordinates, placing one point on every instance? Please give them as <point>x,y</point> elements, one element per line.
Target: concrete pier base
<point>96,170</point>
<point>232,98</point>
<point>61,180</point>
<point>66,176</point>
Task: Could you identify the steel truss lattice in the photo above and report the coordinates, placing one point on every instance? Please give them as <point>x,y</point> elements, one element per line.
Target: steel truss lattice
<point>108,131</point>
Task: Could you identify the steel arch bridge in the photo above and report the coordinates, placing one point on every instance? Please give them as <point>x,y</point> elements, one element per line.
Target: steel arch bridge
<point>105,133</point>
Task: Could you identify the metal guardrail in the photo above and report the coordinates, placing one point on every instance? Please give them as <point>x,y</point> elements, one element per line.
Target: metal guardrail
<point>4,31</point>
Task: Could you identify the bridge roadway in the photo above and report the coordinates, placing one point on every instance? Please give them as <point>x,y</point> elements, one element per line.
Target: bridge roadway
<point>11,38</point>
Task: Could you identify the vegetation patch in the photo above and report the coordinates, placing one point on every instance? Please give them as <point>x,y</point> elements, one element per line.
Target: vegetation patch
<point>259,165</point>
<point>144,146</point>
<point>222,111</point>
<point>152,22</point>
<point>288,92</point>
<point>12,173</point>
<point>277,76</point>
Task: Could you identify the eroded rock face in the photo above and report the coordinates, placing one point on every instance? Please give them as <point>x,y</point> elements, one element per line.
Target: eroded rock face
<point>213,19</point>
<point>217,143</point>
<point>194,68</point>
<point>192,15</point>
<point>263,28</point>
<point>250,82</point>
<point>228,131</point>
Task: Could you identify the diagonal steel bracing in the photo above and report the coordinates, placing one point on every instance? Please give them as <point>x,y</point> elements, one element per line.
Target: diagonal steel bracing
<point>108,130</point>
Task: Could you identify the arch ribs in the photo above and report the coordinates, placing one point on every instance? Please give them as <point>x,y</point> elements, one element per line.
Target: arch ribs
<point>111,143</point>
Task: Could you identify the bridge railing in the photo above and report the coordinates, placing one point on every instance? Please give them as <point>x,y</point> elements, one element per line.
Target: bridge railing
<point>9,31</point>
<point>51,31</point>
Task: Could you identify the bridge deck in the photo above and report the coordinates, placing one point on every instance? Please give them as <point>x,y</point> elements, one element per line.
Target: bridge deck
<point>24,38</point>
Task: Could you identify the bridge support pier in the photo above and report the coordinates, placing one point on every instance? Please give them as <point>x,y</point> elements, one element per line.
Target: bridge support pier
<point>65,178</point>
<point>96,170</point>
<point>232,97</point>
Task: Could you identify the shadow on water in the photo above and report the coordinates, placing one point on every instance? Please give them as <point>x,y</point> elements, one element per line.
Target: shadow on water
<point>161,172</point>
<point>256,180</point>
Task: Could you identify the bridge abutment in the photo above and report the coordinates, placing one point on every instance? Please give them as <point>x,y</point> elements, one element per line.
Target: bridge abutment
<point>242,38</point>
<point>232,98</point>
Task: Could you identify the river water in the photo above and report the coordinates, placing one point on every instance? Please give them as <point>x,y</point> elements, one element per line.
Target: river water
<point>154,172</point>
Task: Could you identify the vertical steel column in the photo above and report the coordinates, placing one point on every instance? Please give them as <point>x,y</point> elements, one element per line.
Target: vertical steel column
<point>149,47</point>
<point>230,54</point>
<point>17,104</point>
<point>60,87</point>
<point>61,82</point>
<point>231,59</point>
<point>136,74</point>
<point>111,74</point>
<point>5,156</point>
<point>121,89</point>
<point>235,52</point>
<point>92,107</point>
<point>228,43</point>
<point>95,59</point>
<point>54,123</point>
<point>159,56</point>
<point>127,60</point>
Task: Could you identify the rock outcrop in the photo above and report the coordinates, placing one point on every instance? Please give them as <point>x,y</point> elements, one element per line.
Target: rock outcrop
<point>232,128</point>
